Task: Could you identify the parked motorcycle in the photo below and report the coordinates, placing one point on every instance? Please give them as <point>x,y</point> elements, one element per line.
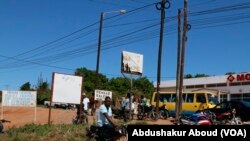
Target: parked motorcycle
<point>163,112</point>
<point>122,114</point>
<point>200,118</point>
<point>101,134</point>
<point>1,124</point>
<point>228,118</point>
<point>147,112</point>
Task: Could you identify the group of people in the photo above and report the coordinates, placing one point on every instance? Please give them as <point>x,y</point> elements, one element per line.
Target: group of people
<point>103,111</point>
<point>136,103</point>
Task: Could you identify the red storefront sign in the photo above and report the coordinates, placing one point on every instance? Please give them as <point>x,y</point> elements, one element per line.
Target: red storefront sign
<point>243,77</point>
<point>239,77</point>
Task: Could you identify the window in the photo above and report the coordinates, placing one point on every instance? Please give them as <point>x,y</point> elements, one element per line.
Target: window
<point>173,99</point>
<point>199,86</point>
<point>236,97</point>
<point>166,97</point>
<point>235,84</point>
<point>245,83</point>
<point>223,97</point>
<point>190,86</point>
<point>200,98</point>
<point>212,99</point>
<point>184,97</point>
<point>163,98</point>
<point>221,84</point>
<point>190,98</point>
<point>246,97</point>
<point>211,85</point>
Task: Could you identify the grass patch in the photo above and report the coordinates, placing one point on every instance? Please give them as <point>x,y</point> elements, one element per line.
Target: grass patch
<point>32,132</point>
<point>60,132</point>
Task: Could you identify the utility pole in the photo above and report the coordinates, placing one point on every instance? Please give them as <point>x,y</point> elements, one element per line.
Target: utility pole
<point>99,50</point>
<point>162,7</point>
<point>177,105</point>
<point>184,39</point>
<point>100,42</point>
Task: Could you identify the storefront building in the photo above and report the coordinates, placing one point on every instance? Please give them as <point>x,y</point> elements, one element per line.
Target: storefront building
<point>229,87</point>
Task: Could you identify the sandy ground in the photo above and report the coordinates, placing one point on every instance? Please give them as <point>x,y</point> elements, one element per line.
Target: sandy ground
<point>21,116</point>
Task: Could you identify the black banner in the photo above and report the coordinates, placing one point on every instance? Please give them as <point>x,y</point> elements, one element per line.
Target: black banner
<point>216,132</point>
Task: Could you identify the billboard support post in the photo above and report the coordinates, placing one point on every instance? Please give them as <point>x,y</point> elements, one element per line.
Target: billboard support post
<point>131,63</point>
<point>2,112</point>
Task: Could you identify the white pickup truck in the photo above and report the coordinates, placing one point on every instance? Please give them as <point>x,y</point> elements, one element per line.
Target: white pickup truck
<point>56,104</point>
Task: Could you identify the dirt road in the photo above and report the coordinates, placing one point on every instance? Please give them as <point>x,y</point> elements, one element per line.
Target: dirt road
<point>21,116</point>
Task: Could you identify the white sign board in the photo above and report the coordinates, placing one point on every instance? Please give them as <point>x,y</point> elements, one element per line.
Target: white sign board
<point>67,88</point>
<point>132,63</point>
<point>19,98</point>
<point>100,94</point>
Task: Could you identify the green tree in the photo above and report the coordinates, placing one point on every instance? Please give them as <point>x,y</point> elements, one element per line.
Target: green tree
<point>25,87</point>
<point>187,76</point>
<point>143,86</point>
<point>43,90</point>
<point>90,79</point>
<point>119,85</point>
<point>200,75</point>
<point>229,73</point>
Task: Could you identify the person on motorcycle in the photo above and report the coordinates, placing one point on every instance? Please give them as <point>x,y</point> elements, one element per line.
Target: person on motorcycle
<point>104,117</point>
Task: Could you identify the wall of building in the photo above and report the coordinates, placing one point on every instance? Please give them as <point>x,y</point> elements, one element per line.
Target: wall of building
<point>234,87</point>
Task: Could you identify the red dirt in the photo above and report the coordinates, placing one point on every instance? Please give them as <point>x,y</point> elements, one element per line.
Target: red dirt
<point>21,116</point>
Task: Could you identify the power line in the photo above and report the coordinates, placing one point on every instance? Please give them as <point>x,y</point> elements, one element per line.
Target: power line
<point>140,35</point>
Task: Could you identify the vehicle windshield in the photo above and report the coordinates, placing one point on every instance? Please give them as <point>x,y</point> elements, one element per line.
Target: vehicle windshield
<point>212,99</point>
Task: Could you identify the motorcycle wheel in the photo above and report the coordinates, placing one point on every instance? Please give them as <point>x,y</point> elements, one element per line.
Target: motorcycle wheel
<point>164,114</point>
<point>1,127</point>
<point>236,121</point>
<point>140,116</point>
<point>154,115</point>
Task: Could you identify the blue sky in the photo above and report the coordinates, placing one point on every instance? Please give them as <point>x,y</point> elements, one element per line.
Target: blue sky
<point>217,42</point>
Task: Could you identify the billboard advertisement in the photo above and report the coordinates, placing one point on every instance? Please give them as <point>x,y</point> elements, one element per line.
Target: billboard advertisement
<point>132,63</point>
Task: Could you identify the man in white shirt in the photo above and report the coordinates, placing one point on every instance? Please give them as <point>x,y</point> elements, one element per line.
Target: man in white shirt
<point>85,102</point>
<point>85,105</point>
<point>105,114</point>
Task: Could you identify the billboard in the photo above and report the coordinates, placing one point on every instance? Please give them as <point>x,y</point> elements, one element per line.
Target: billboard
<point>132,63</point>
<point>19,98</point>
<point>67,88</point>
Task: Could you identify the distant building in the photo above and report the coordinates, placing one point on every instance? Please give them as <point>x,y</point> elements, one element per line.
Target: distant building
<point>229,87</point>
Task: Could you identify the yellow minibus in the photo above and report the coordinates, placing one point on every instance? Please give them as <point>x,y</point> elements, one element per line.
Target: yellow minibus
<point>191,101</point>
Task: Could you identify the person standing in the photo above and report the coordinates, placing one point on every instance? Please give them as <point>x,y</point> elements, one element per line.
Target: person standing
<point>92,104</point>
<point>85,102</point>
<point>85,105</point>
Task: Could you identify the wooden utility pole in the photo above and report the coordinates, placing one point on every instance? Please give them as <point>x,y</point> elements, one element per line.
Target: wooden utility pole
<point>184,39</point>
<point>99,51</point>
<point>162,8</point>
<point>177,104</point>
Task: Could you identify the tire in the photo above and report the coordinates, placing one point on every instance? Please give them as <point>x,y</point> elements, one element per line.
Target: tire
<point>164,114</point>
<point>1,127</point>
<point>236,121</point>
<point>140,116</point>
<point>153,115</point>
